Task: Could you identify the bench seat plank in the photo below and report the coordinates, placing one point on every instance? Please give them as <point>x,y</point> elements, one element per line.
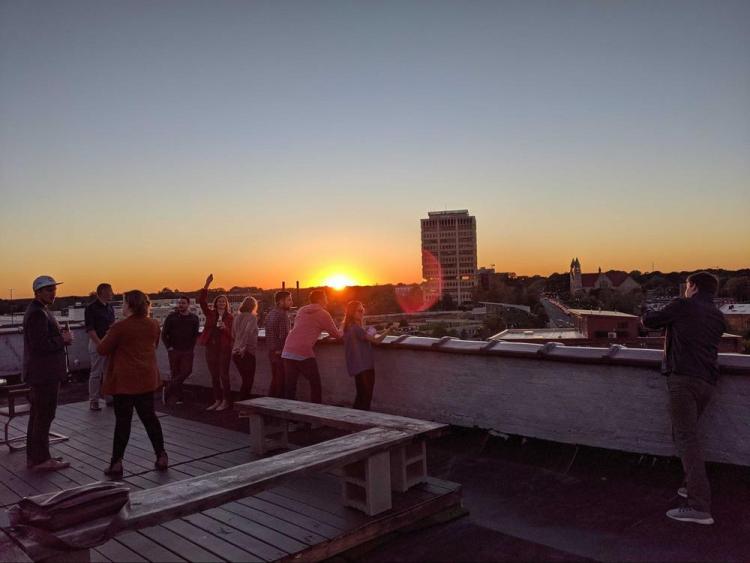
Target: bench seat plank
<point>189,496</point>
<point>337,417</point>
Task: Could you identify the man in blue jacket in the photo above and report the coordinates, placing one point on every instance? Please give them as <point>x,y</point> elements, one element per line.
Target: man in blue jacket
<point>44,368</point>
<point>694,326</point>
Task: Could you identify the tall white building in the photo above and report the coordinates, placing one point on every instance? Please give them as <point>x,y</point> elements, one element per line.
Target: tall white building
<point>449,254</point>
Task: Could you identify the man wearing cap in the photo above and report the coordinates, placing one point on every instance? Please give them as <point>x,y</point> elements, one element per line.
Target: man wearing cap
<point>43,368</point>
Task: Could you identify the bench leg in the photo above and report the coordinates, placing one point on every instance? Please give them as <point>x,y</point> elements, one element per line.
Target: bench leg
<point>367,484</point>
<point>263,427</point>
<point>408,466</point>
<point>257,434</point>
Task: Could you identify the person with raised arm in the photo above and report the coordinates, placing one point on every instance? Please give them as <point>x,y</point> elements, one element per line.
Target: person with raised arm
<point>217,338</point>
<point>298,354</point>
<point>358,351</point>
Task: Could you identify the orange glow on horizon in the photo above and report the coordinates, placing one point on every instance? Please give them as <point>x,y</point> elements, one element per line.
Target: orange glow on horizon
<point>339,281</point>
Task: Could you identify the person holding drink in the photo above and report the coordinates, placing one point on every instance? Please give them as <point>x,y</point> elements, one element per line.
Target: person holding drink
<point>217,338</point>
<point>44,368</point>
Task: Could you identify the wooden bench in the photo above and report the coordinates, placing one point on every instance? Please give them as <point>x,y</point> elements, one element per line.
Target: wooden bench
<point>12,393</point>
<point>406,463</point>
<point>168,502</point>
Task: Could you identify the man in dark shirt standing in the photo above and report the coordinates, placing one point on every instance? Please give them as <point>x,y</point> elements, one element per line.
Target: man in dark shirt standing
<point>694,327</point>
<point>99,316</point>
<point>43,368</point>
<point>277,328</point>
<point>179,334</point>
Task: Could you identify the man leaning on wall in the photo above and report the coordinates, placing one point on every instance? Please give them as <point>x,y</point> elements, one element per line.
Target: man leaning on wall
<point>694,326</point>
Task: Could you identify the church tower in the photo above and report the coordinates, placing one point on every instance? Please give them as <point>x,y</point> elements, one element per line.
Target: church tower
<point>576,283</point>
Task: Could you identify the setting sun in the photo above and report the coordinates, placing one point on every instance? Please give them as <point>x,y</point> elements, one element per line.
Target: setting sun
<point>339,281</point>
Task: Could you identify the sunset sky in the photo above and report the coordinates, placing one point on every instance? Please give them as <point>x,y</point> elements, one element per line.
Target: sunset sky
<point>150,143</point>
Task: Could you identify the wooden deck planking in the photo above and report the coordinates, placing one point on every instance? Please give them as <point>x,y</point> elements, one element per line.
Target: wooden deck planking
<point>304,516</point>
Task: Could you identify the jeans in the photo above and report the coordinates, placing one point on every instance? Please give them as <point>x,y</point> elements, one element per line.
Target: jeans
<point>144,406</point>
<point>43,399</point>
<point>180,366</point>
<point>688,397</point>
<point>218,358</point>
<point>277,375</point>
<point>307,368</point>
<point>365,382</point>
<point>96,373</point>
<point>246,366</point>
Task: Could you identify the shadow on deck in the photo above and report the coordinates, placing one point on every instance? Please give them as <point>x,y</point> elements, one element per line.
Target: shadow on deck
<point>301,520</point>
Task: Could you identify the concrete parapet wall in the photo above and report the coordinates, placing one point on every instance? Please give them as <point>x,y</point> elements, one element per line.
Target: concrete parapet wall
<point>612,398</point>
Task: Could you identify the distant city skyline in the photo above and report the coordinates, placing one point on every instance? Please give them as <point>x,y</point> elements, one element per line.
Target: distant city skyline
<point>150,143</point>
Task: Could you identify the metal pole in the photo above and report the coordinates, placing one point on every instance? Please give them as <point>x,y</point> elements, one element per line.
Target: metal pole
<point>11,305</point>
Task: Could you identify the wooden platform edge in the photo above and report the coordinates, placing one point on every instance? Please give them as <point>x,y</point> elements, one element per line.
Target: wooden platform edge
<point>379,527</point>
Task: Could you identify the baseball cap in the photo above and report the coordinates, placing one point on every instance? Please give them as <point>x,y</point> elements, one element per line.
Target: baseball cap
<point>44,281</point>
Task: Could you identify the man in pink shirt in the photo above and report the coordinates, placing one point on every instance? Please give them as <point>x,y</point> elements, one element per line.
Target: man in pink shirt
<point>298,354</point>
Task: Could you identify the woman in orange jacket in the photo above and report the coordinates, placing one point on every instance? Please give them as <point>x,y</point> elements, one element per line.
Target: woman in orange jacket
<point>133,377</point>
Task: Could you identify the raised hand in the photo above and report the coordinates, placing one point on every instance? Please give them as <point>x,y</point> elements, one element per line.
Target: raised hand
<point>209,279</point>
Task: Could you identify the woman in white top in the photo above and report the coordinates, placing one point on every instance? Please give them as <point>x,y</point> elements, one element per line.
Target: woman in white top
<point>245,343</point>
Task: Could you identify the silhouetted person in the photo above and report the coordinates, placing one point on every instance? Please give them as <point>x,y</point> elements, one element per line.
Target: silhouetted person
<point>179,334</point>
<point>298,354</point>
<point>277,329</point>
<point>98,316</point>
<point>43,369</point>
<point>691,346</point>
<point>133,377</point>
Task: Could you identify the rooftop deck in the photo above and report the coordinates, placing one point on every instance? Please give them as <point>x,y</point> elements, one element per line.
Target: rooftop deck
<point>302,520</point>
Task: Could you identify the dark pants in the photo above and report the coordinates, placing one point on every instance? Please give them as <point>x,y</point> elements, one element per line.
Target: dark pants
<point>246,366</point>
<point>43,399</point>
<point>218,358</point>
<point>180,366</point>
<point>277,375</point>
<point>144,406</point>
<point>308,369</point>
<point>365,382</point>
<point>688,397</point>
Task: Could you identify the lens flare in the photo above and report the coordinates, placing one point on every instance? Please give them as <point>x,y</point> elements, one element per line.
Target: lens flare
<point>415,298</point>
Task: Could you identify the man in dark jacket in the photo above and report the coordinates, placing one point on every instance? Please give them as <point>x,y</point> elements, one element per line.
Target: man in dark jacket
<point>694,327</point>
<point>180,333</point>
<point>44,368</point>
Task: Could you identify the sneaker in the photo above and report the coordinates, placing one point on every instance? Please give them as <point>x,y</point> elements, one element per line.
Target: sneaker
<point>682,491</point>
<point>213,407</point>
<point>690,514</point>
<point>224,406</point>
<point>95,406</point>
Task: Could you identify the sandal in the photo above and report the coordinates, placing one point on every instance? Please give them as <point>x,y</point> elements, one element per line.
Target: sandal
<point>52,464</point>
